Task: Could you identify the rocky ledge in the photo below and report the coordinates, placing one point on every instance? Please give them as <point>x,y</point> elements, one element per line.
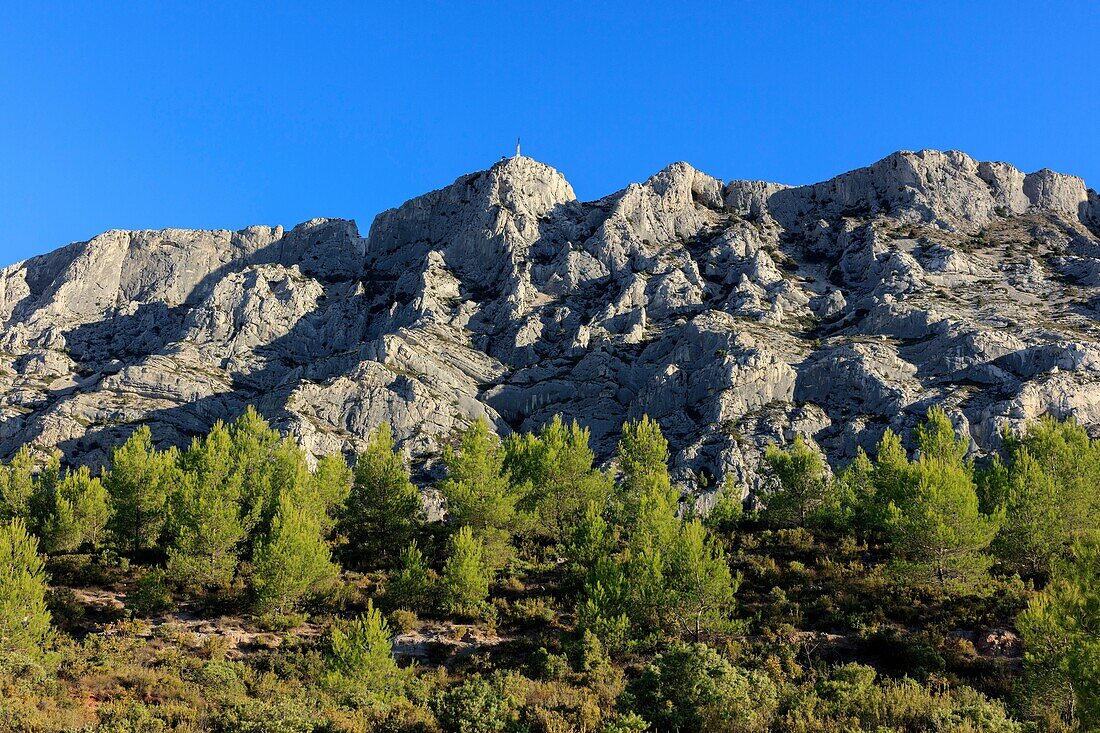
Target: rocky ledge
<point>735,313</point>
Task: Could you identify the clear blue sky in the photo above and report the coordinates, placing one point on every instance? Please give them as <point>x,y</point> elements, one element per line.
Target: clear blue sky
<point>226,114</point>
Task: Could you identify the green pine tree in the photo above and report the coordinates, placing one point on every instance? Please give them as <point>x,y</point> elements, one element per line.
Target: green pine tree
<point>1032,535</point>
<point>252,447</point>
<point>361,653</point>
<point>597,573</point>
<point>592,539</point>
<point>466,575</point>
<point>891,477</point>
<point>479,492</point>
<point>266,466</point>
<point>206,529</point>
<point>701,588</point>
<point>1066,453</point>
<point>384,509</point>
<point>728,509</point>
<point>92,505</point>
<point>602,609</point>
<point>24,618</point>
<point>292,560</point>
<point>803,485</point>
<point>937,529</point>
<point>643,460</point>
<point>43,500</point>
<point>1061,635</point>
<point>648,596</point>
<point>289,476</point>
<point>17,484</point>
<point>332,481</point>
<point>413,585</point>
<point>79,513</point>
<point>61,531</point>
<point>937,440</point>
<point>558,467</point>
<point>208,532</point>
<point>993,482</point>
<point>139,482</point>
<point>648,501</point>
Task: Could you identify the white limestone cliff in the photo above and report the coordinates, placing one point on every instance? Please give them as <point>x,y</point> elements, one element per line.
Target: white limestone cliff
<point>734,313</point>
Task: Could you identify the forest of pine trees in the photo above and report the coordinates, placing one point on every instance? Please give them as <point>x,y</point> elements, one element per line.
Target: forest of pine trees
<point>558,594</point>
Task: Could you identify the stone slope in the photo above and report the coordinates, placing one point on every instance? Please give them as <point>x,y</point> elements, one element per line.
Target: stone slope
<point>734,313</point>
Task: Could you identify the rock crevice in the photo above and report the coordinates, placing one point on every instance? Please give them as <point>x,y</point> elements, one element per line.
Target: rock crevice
<point>735,313</point>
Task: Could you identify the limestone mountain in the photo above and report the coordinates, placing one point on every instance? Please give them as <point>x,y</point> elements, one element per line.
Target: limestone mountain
<point>734,313</point>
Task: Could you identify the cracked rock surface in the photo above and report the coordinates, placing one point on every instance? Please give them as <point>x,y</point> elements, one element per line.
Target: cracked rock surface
<point>735,313</point>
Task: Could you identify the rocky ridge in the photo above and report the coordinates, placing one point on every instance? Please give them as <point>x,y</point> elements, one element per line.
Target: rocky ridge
<point>734,313</point>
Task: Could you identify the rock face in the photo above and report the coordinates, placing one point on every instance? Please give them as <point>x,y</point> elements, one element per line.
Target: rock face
<point>735,314</point>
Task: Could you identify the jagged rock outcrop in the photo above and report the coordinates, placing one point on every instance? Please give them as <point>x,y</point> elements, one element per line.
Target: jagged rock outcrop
<point>734,313</point>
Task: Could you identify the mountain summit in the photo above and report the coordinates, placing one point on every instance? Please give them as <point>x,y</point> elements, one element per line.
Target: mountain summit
<point>736,314</point>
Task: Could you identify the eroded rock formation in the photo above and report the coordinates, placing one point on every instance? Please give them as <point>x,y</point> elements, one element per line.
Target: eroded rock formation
<point>734,313</point>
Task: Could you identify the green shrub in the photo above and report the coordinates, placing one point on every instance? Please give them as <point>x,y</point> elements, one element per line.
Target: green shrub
<point>588,653</point>
<point>280,623</point>
<point>625,723</point>
<point>533,611</point>
<point>478,705</point>
<point>275,715</point>
<point>690,687</point>
<point>542,665</point>
<point>65,608</point>
<point>404,621</point>
<point>226,677</point>
<point>150,596</point>
<point>214,647</point>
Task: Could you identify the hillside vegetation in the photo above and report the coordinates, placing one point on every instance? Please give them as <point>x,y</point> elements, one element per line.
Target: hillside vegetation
<point>231,586</point>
